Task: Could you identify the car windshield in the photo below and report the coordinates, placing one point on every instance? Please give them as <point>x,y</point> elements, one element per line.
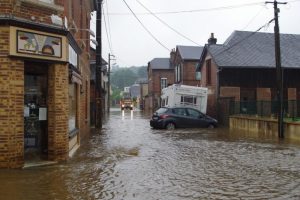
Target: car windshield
<point>161,110</point>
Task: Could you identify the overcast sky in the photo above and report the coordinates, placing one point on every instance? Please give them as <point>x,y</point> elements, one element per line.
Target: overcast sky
<point>192,20</point>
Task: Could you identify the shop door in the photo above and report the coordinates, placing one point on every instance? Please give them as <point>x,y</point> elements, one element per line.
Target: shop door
<point>35,112</point>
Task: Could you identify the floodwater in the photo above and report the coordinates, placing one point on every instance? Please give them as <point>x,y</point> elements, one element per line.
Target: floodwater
<point>128,160</point>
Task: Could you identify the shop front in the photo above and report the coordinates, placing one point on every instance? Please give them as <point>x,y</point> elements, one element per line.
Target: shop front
<point>34,105</point>
<point>35,111</point>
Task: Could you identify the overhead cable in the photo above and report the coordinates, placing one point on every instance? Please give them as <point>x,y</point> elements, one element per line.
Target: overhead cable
<point>107,35</point>
<point>145,27</point>
<point>167,24</point>
<point>198,10</point>
<point>245,38</point>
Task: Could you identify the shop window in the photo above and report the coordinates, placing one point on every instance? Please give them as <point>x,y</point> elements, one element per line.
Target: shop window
<point>72,107</point>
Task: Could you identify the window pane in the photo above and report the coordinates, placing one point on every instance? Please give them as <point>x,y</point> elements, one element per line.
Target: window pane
<point>163,83</point>
<point>198,76</point>
<point>193,113</point>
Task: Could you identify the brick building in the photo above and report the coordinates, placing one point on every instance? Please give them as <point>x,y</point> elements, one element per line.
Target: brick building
<point>44,78</point>
<point>160,75</point>
<point>93,89</point>
<point>243,69</point>
<point>185,60</point>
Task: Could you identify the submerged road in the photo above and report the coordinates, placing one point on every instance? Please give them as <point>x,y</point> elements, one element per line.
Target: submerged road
<point>128,160</point>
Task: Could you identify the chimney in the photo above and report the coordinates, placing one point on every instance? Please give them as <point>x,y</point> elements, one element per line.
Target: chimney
<point>212,39</point>
<point>172,56</point>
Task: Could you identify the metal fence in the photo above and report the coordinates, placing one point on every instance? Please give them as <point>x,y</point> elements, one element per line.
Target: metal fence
<point>227,106</point>
<point>291,109</point>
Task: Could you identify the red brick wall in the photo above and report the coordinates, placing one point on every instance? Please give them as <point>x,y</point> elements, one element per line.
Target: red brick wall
<point>26,10</point>
<point>212,88</point>
<point>157,75</point>
<point>154,88</point>
<point>81,17</point>
<point>189,73</point>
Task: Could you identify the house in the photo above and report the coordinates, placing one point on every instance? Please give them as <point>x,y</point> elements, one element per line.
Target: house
<point>184,60</point>
<point>243,69</point>
<point>143,82</point>
<point>44,77</point>
<point>93,89</point>
<point>160,75</point>
<point>135,91</point>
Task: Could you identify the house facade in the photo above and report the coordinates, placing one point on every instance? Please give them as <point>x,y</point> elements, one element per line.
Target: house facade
<point>160,75</point>
<point>44,76</point>
<point>243,69</point>
<point>143,82</point>
<point>93,90</point>
<point>185,60</point>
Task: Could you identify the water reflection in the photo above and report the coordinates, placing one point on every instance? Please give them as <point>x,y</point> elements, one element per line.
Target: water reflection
<point>124,113</point>
<point>129,160</point>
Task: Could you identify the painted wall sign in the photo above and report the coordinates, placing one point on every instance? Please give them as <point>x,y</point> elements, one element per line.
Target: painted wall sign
<point>39,44</point>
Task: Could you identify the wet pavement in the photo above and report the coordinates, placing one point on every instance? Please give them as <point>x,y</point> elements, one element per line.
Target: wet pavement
<point>128,160</point>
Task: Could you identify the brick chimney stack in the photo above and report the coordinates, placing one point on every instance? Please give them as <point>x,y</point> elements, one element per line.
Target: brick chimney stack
<point>172,56</point>
<point>212,39</point>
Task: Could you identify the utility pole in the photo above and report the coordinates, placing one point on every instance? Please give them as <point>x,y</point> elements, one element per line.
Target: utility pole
<point>279,74</point>
<point>108,92</point>
<point>98,122</point>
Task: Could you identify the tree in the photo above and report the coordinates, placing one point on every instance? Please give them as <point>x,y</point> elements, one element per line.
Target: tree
<point>123,77</point>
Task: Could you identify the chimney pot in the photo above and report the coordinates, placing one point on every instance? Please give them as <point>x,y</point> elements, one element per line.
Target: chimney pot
<point>212,39</point>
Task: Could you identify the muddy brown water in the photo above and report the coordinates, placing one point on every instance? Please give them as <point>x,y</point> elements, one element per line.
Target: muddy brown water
<point>128,160</point>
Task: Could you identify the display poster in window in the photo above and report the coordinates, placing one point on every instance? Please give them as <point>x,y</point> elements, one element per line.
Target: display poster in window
<point>39,44</point>
<point>42,114</point>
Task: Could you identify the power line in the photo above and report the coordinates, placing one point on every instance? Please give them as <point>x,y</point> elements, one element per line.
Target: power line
<point>146,27</point>
<point>167,24</point>
<point>107,35</point>
<point>245,38</point>
<point>108,21</point>
<point>198,10</point>
<point>252,19</point>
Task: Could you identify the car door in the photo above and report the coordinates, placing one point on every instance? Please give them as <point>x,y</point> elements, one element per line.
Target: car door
<point>196,118</point>
<point>181,117</point>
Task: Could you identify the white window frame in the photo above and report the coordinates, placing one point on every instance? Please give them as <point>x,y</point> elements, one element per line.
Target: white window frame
<point>165,83</point>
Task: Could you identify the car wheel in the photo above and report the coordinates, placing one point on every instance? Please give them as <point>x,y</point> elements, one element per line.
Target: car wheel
<point>170,126</point>
<point>211,126</point>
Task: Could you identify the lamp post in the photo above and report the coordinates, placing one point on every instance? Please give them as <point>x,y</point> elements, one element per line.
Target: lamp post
<point>98,78</point>
<point>108,91</point>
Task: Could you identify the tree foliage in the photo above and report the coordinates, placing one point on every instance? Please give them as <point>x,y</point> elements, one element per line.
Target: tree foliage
<point>125,77</point>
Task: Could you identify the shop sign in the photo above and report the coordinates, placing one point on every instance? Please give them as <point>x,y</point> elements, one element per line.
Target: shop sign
<point>39,44</point>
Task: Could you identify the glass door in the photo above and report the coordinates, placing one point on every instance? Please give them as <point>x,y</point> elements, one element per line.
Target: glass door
<point>35,113</point>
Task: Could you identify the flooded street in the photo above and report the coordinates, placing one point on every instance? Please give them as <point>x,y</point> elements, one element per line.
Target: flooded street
<point>129,160</point>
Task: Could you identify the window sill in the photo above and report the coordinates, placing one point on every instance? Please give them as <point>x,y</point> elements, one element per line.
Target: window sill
<point>49,5</point>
